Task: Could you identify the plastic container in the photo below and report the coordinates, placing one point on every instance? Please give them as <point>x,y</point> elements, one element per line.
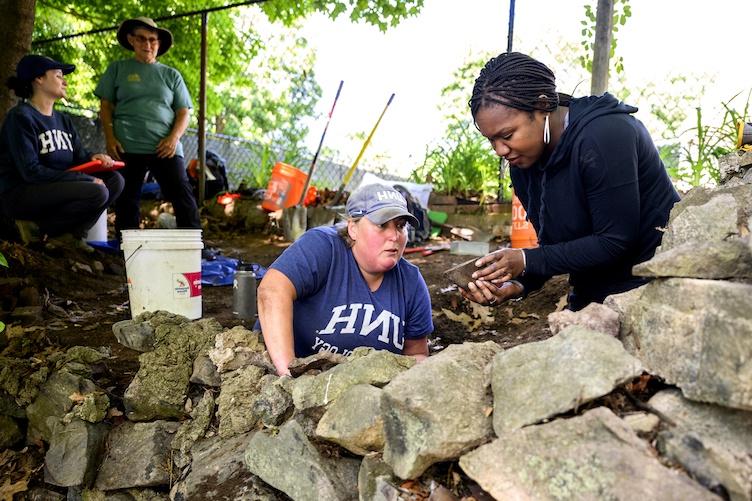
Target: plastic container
<point>98,232</point>
<point>244,292</point>
<point>285,187</point>
<point>163,268</point>
<point>523,234</point>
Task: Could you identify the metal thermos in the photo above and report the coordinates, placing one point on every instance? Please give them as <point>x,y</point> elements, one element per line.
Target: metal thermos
<point>244,292</point>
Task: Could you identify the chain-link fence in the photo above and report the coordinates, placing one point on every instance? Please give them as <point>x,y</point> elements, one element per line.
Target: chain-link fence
<point>247,162</point>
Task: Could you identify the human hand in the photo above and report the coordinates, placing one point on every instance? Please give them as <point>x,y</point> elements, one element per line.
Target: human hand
<point>114,148</point>
<point>500,266</point>
<point>107,161</point>
<point>167,147</point>
<point>486,293</point>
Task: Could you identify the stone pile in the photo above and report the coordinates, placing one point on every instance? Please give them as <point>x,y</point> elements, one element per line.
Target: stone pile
<point>206,418</point>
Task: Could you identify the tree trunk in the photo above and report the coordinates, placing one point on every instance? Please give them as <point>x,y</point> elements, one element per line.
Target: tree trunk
<point>602,46</point>
<point>16,27</point>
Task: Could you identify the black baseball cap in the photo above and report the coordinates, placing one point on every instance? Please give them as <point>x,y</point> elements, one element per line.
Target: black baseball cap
<point>31,66</point>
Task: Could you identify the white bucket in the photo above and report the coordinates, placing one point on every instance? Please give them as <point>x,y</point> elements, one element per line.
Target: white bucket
<point>98,232</point>
<point>164,271</point>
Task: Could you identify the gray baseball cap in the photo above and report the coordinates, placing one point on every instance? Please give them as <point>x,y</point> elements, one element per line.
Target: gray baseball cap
<point>379,203</point>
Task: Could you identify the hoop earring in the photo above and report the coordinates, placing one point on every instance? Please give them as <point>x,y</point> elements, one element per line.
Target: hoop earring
<point>546,131</point>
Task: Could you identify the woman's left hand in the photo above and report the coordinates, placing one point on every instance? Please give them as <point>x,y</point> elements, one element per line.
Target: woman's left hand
<point>107,161</point>
<point>500,266</point>
<point>167,147</point>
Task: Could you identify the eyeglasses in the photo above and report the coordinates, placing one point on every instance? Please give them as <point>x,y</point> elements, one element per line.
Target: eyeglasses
<point>142,39</point>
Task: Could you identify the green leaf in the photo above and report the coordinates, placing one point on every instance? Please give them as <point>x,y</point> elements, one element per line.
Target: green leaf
<point>2,326</point>
<point>3,261</point>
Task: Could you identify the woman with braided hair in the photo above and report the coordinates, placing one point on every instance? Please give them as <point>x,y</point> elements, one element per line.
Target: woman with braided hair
<point>587,173</point>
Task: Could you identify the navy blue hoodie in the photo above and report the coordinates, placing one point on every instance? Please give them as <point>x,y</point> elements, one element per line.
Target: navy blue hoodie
<point>35,148</point>
<point>597,204</point>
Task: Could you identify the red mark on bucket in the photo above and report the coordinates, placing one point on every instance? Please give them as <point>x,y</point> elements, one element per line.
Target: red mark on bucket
<point>186,285</point>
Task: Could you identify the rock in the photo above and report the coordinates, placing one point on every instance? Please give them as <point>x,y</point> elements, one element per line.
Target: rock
<point>593,456</point>
<point>75,453</point>
<point>138,455</point>
<point>321,361</point>
<point>10,433</point>
<point>713,260</point>
<point>218,473</point>
<point>374,367</point>
<point>705,215</point>
<point>372,469</point>
<point>712,443</point>
<point>534,381</point>
<point>53,403</point>
<point>439,409</point>
<point>160,386</point>
<point>594,316</point>
<point>194,429</point>
<point>733,165</point>
<point>273,457</point>
<point>236,348</point>
<point>135,335</point>
<point>93,408</point>
<point>240,389</point>
<point>642,422</point>
<point>40,494</point>
<point>695,334</point>
<point>274,403</point>
<point>27,314</point>
<point>205,372</point>
<point>354,420</point>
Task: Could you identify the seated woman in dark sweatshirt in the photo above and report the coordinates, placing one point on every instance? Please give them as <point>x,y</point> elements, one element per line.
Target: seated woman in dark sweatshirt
<point>587,173</point>
<point>38,145</point>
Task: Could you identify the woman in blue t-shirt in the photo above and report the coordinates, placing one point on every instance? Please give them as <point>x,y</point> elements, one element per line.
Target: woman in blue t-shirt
<point>342,287</point>
<point>37,147</point>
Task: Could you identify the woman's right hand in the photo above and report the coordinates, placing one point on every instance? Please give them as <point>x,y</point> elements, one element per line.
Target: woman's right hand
<point>114,148</point>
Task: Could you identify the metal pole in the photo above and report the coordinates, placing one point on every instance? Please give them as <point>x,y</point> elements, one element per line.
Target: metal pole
<point>202,114</point>
<point>510,34</point>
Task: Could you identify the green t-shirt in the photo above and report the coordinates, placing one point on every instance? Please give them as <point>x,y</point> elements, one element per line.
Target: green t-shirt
<point>146,97</point>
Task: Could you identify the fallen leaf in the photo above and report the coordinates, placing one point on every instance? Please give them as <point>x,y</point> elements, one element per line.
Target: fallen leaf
<point>462,318</point>
<point>7,490</point>
<point>488,411</point>
<point>114,412</point>
<point>76,397</point>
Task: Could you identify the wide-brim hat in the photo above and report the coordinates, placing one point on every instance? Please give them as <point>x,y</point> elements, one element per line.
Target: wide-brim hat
<point>127,27</point>
<point>32,65</point>
<point>379,203</point>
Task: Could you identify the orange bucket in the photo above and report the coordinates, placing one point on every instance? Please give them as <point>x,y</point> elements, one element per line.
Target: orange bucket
<point>285,187</point>
<point>523,234</point>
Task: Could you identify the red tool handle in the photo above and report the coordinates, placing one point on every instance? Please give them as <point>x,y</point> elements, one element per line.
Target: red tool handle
<point>95,166</point>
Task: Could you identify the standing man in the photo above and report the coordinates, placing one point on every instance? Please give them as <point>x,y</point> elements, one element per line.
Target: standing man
<point>145,109</point>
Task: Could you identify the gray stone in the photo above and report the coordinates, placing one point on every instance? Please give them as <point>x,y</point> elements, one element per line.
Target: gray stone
<point>707,215</point>
<point>733,165</point>
<point>695,334</point>
<point>354,420</point>
<point>218,473</point>
<point>274,403</point>
<point>10,433</point>
<point>589,457</point>
<point>594,316</point>
<point>41,494</point>
<point>240,389</point>
<point>535,381</point>
<point>439,409</point>
<point>53,402</point>
<point>160,386</point>
<point>714,260</point>
<point>135,335</point>
<point>374,367</point>
<point>138,455</point>
<point>373,469</point>
<point>714,444</point>
<point>236,348</point>
<point>93,407</point>
<point>193,429</point>
<point>205,372</point>
<point>75,453</point>
<point>642,422</point>
<point>274,457</point>
<point>20,383</point>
